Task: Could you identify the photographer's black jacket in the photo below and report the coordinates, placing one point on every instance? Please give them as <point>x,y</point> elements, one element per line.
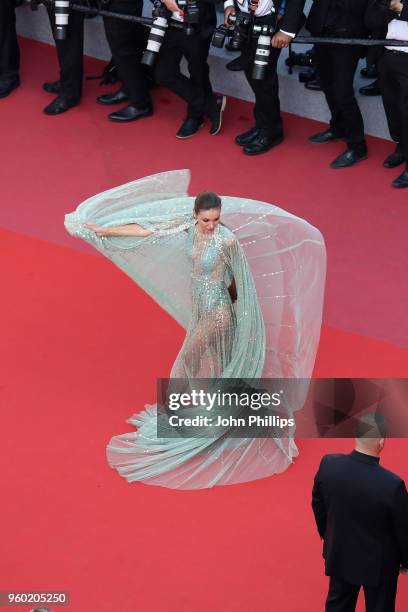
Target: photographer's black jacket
<point>351,15</point>
<point>378,15</point>
<point>293,18</point>
<point>361,512</point>
<point>207,17</point>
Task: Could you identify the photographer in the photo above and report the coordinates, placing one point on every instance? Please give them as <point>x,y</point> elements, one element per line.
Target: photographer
<point>268,129</point>
<point>392,18</point>
<point>127,42</point>
<point>196,89</point>
<point>9,49</point>
<point>337,65</point>
<point>70,53</point>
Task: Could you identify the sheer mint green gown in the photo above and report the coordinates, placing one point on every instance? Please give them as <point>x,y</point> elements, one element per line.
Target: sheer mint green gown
<point>271,330</point>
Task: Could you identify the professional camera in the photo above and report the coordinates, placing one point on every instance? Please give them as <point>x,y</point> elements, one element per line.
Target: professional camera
<point>244,25</point>
<point>301,59</point>
<point>239,32</point>
<point>62,10</point>
<point>264,34</point>
<point>191,12</point>
<point>161,16</point>
<point>220,35</point>
<point>157,32</point>
<point>262,53</point>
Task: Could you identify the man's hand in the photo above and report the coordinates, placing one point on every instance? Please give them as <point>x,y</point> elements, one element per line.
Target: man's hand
<point>281,40</point>
<point>228,11</point>
<point>172,6</point>
<point>396,6</point>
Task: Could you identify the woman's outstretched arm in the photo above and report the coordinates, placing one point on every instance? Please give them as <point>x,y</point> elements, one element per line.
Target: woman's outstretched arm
<point>132,229</point>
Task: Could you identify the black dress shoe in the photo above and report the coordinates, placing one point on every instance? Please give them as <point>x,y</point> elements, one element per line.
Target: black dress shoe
<point>236,64</point>
<point>131,113</point>
<point>370,72</point>
<point>314,85</point>
<point>247,137</point>
<point>347,159</point>
<point>217,107</point>
<point>322,137</point>
<point>58,106</point>
<point>262,143</point>
<point>113,98</point>
<point>8,87</point>
<point>305,76</point>
<point>189,127</point>
<point>402,180</point>
<point>395,159</point>
<point>53,87</point>
<point>373,89</point>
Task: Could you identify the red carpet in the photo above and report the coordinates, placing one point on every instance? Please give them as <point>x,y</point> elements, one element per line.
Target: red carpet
<point>82,347</point>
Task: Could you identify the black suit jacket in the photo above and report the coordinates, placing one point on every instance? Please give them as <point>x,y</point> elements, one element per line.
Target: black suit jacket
<point>378,16</point>
<point>354,12</point>
<point>207,17</point>
<point>361,512</point>
<point>293,19</point>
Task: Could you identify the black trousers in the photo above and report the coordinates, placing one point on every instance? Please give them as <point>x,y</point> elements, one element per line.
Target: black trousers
<point>393,75</point>
<point>127,42</point>
<point>70,56</point>
<point>342,596</point>
<point>9,49</point>
<point>267,105</point>
<point>337,66</point>
<point>196,89</point>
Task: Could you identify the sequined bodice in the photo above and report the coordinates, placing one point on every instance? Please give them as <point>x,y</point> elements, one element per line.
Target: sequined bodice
<point>205,251</point>
<point>208,344</point>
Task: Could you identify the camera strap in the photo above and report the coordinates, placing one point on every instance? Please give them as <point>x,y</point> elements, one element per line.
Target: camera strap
<point>253,5</point>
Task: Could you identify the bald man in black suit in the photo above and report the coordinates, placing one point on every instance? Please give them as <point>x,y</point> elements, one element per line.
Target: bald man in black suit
<point>361,512</point>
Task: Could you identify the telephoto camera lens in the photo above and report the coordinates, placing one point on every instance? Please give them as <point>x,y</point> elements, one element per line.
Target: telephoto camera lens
<point>263,50</point>
<point>240,32</point>
<point>237,39</point>
<point>155,41</point>
<point>61,19</point>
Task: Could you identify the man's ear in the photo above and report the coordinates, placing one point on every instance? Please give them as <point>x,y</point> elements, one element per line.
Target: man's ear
<point>382,442</point>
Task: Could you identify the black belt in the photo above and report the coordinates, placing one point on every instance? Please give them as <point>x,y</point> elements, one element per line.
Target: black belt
<point>267,19</point>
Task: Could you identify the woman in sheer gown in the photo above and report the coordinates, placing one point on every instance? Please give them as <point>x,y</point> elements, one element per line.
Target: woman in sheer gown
<point>197,269</point>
